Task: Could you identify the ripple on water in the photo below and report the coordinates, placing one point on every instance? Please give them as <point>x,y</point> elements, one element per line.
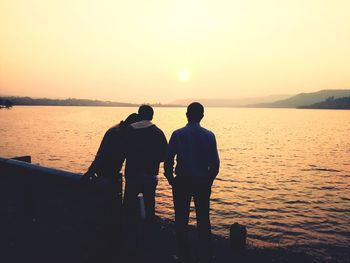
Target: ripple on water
<point>275,178</point>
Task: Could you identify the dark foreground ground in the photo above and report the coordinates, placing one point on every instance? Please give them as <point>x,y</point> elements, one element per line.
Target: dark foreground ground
<point>54,219</point>
<point>160,247</point>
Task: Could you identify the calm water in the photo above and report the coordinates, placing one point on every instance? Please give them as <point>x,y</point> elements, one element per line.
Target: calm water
<point>285,173</point>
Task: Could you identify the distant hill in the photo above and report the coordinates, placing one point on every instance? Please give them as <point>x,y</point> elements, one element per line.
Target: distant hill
<point>231,102</point>
<point>303,99</point>
<point>330,103</point>
<point>70,102</point>
<point>62,102</point>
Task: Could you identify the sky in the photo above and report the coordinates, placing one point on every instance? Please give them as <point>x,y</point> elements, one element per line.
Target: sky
<point>160,51</point>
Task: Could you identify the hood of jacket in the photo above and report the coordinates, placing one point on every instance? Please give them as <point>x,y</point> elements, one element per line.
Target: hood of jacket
<point>142,124</point>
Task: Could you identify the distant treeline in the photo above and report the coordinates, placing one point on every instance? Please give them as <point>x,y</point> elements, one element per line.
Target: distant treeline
<point>69,102</point>
<point>5,104</point>
<point>330,103</point>
<point>63,102</point>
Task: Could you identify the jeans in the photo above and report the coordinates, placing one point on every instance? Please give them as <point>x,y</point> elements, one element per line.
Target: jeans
<point>184,188</point>
<point>139,233</point>
<point>131,201</point>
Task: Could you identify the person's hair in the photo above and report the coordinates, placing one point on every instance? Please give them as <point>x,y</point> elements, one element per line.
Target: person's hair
<point>132,118</point>
<point>195,112</point>
<point>146,112</point>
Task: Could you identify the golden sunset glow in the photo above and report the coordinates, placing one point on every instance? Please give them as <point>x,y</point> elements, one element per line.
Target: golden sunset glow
<point>184,74</point>
<point>129,51</point>
<point>123,121</point>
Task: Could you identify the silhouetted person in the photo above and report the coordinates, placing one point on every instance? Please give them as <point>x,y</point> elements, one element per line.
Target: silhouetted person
<point>197,166</point>
<point>146,148</point>
<point>104,175</point>
<point>111,153</point>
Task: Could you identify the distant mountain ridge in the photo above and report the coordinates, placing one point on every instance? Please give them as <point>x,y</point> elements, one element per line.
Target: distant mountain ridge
<point>304,99</point>
<point>273,101</point>
<point>231,102</point>
<point>330,103</point>
<point>62,102</point>
<point>70,102</point>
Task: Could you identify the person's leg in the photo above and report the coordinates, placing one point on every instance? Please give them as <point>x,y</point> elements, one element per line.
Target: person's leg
<point>115,207</point>
<point>110,235</point>
<point>131,216</point>
<point>202,193</point>
<point>149,193</point>
<point>147,230</point>
<point>130,200</point>
<point>182,200</point>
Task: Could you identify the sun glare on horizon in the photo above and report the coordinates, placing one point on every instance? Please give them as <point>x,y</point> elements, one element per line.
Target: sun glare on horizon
<point>259,47</point>
<point>184,74</point>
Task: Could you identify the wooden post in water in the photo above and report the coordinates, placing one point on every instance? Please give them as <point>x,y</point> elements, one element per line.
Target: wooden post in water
<point>238,236</point>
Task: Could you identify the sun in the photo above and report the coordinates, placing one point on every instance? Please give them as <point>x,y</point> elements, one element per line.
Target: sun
<point>184,74</point>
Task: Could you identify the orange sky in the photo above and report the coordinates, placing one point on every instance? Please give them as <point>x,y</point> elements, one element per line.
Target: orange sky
<point>150,51</point>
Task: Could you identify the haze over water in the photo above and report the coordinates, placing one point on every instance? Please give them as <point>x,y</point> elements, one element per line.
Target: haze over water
<point>285,173</point>
<point>163,50</point>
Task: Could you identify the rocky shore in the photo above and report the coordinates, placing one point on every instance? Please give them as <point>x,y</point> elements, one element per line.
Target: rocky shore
<point>161,248</point>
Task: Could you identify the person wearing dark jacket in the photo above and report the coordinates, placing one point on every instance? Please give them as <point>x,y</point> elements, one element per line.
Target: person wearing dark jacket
<point>104,175</point>
<point>111,153</point>
<point>146,148</point>
<point>197,165</point>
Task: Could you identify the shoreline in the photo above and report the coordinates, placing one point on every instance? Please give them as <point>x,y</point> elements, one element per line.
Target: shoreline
<point>163,248</point>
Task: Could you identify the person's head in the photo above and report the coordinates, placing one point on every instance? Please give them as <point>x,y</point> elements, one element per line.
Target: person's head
<point>195,112</point>
<point>132,118</point>
<point>146,112</point>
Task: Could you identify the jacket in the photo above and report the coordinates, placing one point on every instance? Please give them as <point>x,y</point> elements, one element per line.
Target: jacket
<point>111,153</point>
<point>145,150</point>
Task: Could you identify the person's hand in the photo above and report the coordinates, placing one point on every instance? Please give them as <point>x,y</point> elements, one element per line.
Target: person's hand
<point>88,176</point>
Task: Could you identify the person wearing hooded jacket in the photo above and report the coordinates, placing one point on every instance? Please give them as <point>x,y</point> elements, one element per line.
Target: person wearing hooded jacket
<point>146,149</point>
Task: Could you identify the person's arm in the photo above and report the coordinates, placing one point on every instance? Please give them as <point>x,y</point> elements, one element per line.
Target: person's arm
<point>169,159</point>
<point>163,146</point>
<point>98,161</point>
<point>214,159</point>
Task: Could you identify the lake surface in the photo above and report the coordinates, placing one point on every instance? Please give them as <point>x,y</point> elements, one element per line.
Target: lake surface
<point>285,173</point>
